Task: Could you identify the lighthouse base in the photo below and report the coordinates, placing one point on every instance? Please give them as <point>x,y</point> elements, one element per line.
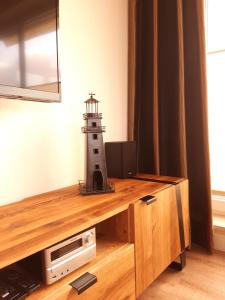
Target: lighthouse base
<point>109,188</point>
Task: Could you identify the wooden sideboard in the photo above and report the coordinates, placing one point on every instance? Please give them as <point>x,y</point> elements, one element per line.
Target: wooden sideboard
<point>135,241</point>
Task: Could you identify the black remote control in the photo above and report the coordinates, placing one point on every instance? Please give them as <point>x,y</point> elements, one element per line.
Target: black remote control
<point>9,292</point>
<point>19,280</point>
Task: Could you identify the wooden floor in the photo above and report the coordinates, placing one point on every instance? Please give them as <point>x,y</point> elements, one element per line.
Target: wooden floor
<point>202,278</point>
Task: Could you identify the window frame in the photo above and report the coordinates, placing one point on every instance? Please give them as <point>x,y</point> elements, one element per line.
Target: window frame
<point>218,204</point>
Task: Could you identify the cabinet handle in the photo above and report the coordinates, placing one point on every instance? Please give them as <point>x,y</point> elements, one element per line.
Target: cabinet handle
<point>148,199</point>
<point>83,282</point>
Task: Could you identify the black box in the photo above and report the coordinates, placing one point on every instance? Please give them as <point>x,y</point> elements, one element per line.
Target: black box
<point>121,159</point>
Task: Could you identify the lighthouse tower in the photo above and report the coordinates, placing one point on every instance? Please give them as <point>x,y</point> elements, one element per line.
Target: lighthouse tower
<point>96,173</point>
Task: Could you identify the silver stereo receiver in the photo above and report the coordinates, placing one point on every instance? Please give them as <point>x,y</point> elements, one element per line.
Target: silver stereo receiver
<point>68,255</point>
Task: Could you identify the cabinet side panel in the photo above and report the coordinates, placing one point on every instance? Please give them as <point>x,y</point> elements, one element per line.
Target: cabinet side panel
<point>185,208</point>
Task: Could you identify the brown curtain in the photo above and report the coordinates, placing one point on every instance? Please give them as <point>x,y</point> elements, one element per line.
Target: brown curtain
<point>168,99</point>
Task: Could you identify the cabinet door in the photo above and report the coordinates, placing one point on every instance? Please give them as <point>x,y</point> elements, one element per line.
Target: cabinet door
<point>156,235</point>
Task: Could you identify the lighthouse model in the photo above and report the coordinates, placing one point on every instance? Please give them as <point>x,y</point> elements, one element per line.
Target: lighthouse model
<point>96,172</point>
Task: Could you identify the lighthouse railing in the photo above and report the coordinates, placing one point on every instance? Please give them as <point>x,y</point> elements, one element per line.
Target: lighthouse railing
<point>92,116</point>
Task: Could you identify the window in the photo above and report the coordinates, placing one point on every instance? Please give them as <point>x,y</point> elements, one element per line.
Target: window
<point>95,151</point>
<point>95,136</point>
<point>94,124</point>
<point>97,167</point>
<point>215,37</point>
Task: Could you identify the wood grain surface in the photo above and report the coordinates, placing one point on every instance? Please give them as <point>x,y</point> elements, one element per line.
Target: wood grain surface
<point>201,279</point>
<point>159,177</point>
<point>35,223</point>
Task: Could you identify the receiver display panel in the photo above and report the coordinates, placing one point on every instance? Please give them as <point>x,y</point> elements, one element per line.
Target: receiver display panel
<point>66,249</point>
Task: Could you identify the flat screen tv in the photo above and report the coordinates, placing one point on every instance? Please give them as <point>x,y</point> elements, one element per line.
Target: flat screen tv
<point>29,68</point>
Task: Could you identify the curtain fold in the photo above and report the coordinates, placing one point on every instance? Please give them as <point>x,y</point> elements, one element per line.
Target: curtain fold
<point>170,100</point>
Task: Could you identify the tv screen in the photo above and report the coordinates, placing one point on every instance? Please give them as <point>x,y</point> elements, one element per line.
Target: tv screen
<point>29,49</point>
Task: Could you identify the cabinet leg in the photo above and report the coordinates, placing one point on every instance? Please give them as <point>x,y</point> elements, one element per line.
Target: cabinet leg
<point>181,264</point>
<point>189,247</point>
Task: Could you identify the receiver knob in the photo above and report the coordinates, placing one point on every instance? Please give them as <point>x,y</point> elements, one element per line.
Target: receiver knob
<point>88,237</point>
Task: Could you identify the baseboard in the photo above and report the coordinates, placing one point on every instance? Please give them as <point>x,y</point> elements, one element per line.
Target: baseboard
<point>219,241</point>
<point>219,232</point>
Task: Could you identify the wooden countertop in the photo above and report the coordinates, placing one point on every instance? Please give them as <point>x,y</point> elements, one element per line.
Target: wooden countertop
<point>35,223</point>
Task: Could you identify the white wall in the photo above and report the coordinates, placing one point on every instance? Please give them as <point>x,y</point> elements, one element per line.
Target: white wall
<point>41,145</point>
